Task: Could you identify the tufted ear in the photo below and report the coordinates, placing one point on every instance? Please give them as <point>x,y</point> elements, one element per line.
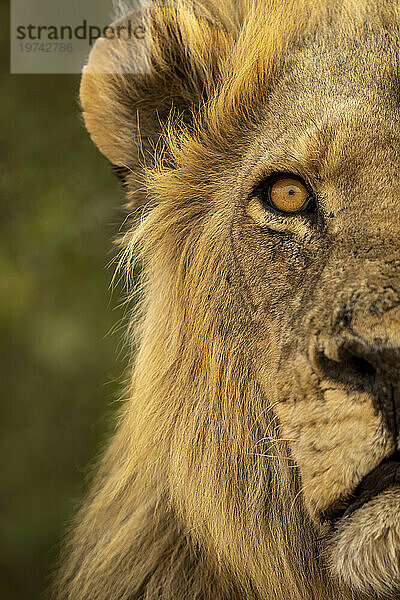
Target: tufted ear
<point>150,62</point>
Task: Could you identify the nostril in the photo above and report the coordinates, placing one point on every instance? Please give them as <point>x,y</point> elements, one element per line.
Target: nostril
<point>351,369</point>
<point>360,366</point>
<point>353,365</point>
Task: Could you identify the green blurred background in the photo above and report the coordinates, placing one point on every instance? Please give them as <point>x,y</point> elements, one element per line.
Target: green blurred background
<point>61,366</point>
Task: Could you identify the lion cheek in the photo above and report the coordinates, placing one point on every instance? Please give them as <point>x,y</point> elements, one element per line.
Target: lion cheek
<point>335,443</point>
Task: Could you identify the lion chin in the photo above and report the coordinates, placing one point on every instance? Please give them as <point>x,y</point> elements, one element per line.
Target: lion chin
<point>364,550</point>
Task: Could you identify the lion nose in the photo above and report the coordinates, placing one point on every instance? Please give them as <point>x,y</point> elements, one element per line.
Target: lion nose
<point>365,363</point>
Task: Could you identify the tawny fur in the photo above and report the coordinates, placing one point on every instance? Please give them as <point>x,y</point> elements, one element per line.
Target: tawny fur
<point>377,524</point>
<point>231,444</point>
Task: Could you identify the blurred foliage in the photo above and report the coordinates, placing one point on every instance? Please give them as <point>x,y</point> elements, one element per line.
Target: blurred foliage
<point>59,365</point>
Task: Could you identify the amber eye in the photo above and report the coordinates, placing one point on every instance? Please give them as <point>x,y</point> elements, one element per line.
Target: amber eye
<point>287,195</point>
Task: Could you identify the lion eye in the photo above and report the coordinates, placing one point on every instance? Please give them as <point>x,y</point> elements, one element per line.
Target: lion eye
<point>287,194</point>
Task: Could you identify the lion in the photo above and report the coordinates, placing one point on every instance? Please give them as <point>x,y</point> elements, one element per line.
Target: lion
<point>256,455</point>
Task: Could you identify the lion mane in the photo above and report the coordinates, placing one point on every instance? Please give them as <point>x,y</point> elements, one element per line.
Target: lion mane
<point>197,496</point>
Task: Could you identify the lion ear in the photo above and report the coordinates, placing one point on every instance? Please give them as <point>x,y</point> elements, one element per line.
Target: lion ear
<point>149,62</point>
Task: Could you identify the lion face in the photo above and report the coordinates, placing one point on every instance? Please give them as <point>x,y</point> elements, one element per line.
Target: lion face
<point>259,149</point>
<point>324,284</point>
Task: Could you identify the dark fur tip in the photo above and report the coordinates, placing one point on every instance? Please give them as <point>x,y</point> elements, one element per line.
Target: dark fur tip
<point>121,173</point>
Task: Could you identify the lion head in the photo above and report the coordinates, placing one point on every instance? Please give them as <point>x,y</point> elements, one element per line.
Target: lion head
<point>257,453</point>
